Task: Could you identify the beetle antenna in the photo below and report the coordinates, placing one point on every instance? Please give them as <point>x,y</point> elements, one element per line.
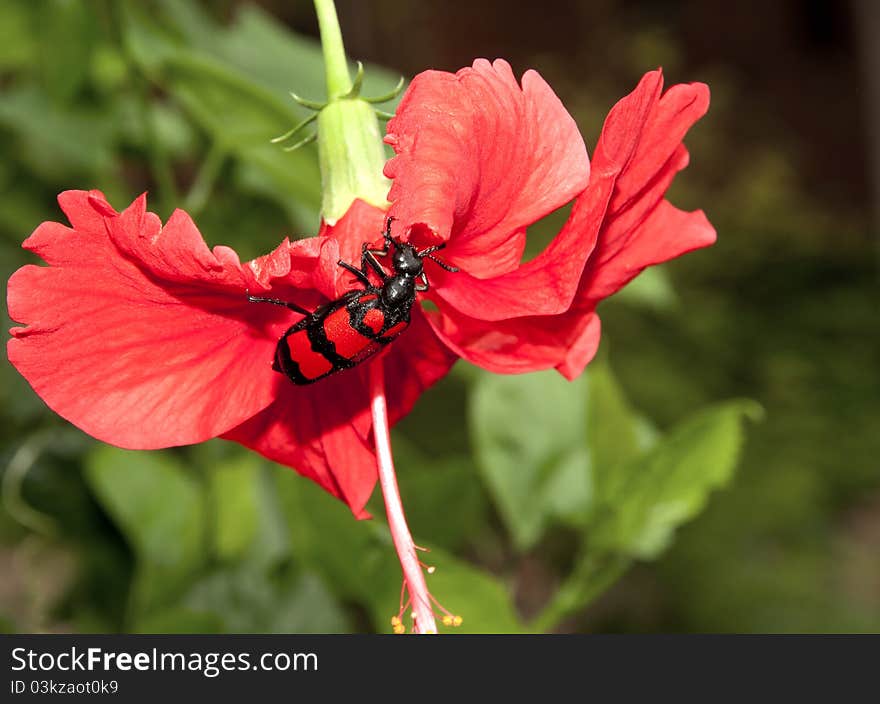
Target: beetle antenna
<point>444,265</point>
<point>428,250</point>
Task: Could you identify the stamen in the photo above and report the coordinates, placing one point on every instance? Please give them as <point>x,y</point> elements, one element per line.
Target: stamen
<point>449,618</point>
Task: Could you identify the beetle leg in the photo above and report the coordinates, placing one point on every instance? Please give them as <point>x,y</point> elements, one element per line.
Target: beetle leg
<point>424,285</point>
<point>368,258</point>
<point>388,241</point>
<point>359,273</point>
<point>279,302</point>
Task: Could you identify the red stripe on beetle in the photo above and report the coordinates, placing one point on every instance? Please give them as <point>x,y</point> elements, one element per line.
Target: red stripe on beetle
<point>374,319</point>
<point>349,343</point>
<point>395,330</point>
<point>367,351</point>
<point>311,363</point>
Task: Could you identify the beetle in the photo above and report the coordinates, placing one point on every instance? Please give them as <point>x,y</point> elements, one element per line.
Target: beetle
<point>343,333</point>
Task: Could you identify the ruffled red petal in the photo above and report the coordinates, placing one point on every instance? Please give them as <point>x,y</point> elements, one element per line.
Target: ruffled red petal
<point>542,315</point>
<point>139,334</point>
<point>518,345</point>
<point>479,158</point>
<point>639,228</point>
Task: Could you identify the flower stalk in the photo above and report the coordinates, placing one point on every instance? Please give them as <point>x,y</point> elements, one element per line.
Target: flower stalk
<point>350,151</point>
<point>413,577</point>
<point>335,63</point>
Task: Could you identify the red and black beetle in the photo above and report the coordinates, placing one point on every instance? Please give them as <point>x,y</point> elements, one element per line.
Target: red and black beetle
<point>342,333</point>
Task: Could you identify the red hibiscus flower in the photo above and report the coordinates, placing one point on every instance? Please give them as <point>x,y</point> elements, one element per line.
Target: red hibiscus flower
<point>479,160</point>
<point>145,338</point>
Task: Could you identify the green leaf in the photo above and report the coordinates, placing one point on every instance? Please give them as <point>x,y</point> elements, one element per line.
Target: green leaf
<point>651,289</point>
<point>148,40</point>
<point>643,500</point>
<point>247,599</point>
<point>324,536</point>
<point>233,109</point>
<point>528,438</point>
<point>613,436</point>
<point>160,511</point>
<point>242,117</point>
<point>285,62</point>
<point>245,522</point>
<point>591,576</point>
<point>234,493</point>
<point>307,606</point>
<point>58,140</point>
<point>652,495</point>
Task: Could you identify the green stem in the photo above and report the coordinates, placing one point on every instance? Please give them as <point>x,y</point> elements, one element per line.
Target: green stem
<point>13,481</point>
<point>201,188</point>
<point>335,64</point>
<point>589,579</point>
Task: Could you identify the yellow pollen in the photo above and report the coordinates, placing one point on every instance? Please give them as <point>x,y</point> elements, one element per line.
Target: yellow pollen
<point>399,629</point>
<point>456,621</point>
<point>395,621</point>
<point>431,569</point>
<point>447,620</point>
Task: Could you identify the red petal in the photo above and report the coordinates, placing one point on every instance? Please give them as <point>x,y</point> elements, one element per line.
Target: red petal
<point>137,334</point>
<point>639,228</point>
<point>361,223</point>
<point>547,284</point>
<point>581,352</point>
<point>667,233</point>
<point>86,210</point>
<point>479,159</point>
<point>543,314</point>
<point>567,342</point>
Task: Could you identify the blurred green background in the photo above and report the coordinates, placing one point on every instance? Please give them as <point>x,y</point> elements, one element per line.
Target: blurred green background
<point>715,470</point>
